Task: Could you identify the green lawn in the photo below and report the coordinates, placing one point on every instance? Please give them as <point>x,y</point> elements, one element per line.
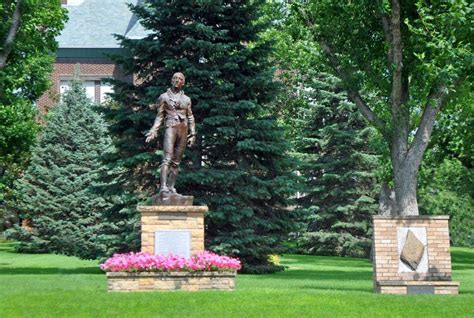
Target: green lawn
<point>59,286</point>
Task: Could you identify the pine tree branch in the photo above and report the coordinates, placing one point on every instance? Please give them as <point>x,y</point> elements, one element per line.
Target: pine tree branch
<point>11,34</point>
<point>344,74</point>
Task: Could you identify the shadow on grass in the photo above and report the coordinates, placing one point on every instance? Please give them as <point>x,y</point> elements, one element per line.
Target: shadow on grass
<point>462,257</point>
<point>462,267</point>
<point>313,260</point>
<point>8,247</point>
<point>330,280</point>
<point>49,271</point>
<point>339,289</point>
<point>315,274</point>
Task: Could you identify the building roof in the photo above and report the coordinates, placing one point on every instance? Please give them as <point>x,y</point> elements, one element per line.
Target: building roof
<point>92,24</point>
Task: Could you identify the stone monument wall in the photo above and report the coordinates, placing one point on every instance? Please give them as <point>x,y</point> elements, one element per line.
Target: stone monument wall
<point>175,220</point>
<point>409,251</point>
<point>156,281</point>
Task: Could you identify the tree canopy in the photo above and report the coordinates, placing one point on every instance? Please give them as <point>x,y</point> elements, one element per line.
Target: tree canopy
<point>27,37</point>
<point>400,63</point>
<point>27,41</point>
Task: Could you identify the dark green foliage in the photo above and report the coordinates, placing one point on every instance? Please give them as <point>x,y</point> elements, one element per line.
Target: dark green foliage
<point>262,269</point>
<point>55,191</point>
<point>28,61</point>
<point>339,169</point>
<point>332,143</point>
<point>447,174</point>
<point>447,190</point>
<point>18,130</point>
<point>240,166</point>
<point>25,66</point>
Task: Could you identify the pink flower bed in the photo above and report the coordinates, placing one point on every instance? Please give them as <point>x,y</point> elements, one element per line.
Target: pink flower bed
<point>145,262</point>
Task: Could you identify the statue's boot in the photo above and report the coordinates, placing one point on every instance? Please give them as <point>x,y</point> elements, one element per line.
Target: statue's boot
<point>163,177</point>
<point>172,179</point>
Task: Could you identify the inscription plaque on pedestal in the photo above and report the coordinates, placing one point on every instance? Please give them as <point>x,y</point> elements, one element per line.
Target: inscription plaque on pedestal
<point>177,242</point>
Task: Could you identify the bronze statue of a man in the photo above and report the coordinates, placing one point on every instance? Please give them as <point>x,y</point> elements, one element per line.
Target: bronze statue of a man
<point>174,110</point>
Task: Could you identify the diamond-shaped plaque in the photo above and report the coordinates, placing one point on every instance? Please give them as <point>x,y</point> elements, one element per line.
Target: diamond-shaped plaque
<point>412,251</point>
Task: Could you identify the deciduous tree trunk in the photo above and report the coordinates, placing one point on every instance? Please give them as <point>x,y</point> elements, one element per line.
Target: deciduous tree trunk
<point>387,204</point>
<point>405,179</point>
<point>406,159</point>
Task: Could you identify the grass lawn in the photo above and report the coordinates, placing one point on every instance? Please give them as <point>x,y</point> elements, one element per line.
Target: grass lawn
<point>45,285</point>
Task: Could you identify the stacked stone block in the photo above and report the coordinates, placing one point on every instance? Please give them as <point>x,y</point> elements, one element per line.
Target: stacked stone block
<point>388,279</point>
<point>162,217</point>
<point>151,281</point>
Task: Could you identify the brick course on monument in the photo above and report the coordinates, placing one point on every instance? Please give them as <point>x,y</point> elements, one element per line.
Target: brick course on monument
<point>151,281</point>
<point>387,276</point>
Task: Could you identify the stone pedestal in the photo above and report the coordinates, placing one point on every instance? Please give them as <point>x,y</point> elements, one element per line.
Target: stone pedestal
<point>176,228</point>
<point>156,281</point>
<point>181,229</point>
<point>411,255</point>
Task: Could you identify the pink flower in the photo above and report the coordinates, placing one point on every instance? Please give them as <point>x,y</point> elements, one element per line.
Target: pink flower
<point>140,262</point>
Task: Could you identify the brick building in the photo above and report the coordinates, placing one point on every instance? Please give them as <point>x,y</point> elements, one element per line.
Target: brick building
<point>86,42</point>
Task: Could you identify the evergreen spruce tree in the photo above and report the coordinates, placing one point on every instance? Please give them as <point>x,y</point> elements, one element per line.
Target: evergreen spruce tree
<point>339,168</point>
<point>239,167</point>
<point>55,191</point>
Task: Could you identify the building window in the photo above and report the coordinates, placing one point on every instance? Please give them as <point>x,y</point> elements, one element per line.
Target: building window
<point>72,2</point>
<point>96,90</point>
<point>89,86</point>
<point>105,88</point>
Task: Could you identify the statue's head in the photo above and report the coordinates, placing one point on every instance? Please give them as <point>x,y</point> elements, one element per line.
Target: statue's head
<point>178,80</point>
